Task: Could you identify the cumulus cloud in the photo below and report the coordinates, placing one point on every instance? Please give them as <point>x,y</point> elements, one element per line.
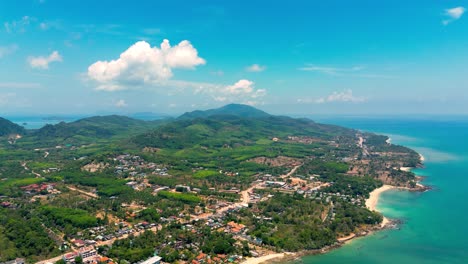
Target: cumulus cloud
<point>6,50</point>
<point>243,91</point>
<point>142,64</point>
<point>344,96</point>
<point>240,87</point>
<point>453,14</point>
<point>255,68</point>
<point>42,62</point>
<point>121,103</point>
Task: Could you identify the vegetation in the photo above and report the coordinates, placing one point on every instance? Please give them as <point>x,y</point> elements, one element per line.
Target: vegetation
<point>7,127</point>
<point>23,235</point>
<point>112,171</point>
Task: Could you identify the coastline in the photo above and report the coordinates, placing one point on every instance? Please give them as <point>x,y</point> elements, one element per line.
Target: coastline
<point>274,257</point>
<point>371,204</point>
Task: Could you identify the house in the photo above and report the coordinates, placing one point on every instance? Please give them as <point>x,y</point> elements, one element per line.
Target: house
<point>201,257</point>
<point>6,204</point>
<point>235,228</point>
<point>70,257</point>
<point>16,261</point>
<point>78,243</point>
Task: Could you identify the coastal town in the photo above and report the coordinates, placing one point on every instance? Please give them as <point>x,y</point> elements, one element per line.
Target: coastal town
<point>193,191</point>
<point>92,244</point>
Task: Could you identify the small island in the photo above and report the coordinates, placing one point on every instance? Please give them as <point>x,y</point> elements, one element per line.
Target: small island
<point>233,184</point>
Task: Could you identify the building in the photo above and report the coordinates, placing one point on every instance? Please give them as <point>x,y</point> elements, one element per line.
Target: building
<point>152,260</point>
<point>16,261</point>
<point>70,257</point>
<point>87,252</point>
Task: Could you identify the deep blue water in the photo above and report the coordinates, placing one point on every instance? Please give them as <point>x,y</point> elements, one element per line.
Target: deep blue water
<point>435,228</point>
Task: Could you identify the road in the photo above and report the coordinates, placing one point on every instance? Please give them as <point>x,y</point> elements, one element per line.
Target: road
<point>365,152</point>
<point>245,198</point>
<point>52,260</point>
<point>100,243</point>
<point>111,241</point>
<point>291,172</point>
<point>92,195</point>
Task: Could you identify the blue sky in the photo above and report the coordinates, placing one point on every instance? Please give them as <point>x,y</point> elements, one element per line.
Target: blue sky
<point>294,57</point>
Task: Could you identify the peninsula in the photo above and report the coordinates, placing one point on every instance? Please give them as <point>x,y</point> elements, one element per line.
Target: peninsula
<point>233,184</point>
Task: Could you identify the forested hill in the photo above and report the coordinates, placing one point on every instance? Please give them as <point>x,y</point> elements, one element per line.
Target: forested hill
<point>238,110</point>
<point>96,127</point>
<point>7,127</point>
<point>218,130</point>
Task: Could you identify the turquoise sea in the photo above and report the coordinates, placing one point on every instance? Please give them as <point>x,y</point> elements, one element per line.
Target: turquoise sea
<point>435,223</point>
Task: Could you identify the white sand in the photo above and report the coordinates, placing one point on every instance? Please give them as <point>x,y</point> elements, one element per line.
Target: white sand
<point>371,203</point>
<point>262,259</point>
<point>405,168</point>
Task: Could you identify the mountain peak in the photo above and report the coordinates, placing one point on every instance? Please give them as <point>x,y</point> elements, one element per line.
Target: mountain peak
<point>7,127</point>
<point>239,110</point>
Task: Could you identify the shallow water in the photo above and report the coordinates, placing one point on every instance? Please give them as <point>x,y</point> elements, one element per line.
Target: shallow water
<point>434,228</point>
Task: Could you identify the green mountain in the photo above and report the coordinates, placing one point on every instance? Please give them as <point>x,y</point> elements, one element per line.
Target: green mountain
<point>239,110</point>
<point>218,130</point>
<point>96,127</point>
<point>7,127</point>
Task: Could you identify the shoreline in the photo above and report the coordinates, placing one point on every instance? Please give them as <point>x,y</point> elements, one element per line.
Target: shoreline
<point>371,204</point>
<point>372,201</point>
<point>273,257</point>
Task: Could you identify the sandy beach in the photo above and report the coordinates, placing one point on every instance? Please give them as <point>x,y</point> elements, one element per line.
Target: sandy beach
<point>421,158</point>
<point>265,258</point>
<point>405,168</point>
<point>371,203</point>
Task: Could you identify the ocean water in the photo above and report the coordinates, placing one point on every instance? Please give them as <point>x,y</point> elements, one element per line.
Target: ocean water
<point>435,223</point>
<point>36,122</point>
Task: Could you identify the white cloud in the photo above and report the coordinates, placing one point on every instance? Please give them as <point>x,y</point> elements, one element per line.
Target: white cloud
<point>255,68</point>
<point>6,50</point>
<point>240,87</point>
<point>243,91</point>
<point>344,96</point>
<point>121,103</point>
<point>453,14</point>
<point>44,26</point>
<point>239,92</point>
<point>331,70</point>
<point>18,25</point>
<point>356,71</point>
<point>142,64</point>
<point>43,62</point>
